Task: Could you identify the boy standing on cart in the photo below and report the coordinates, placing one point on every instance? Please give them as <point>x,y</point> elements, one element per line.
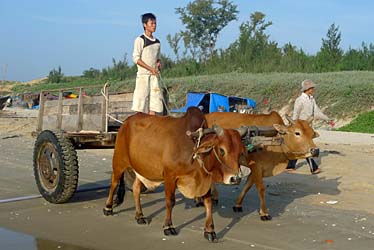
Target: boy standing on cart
<point>146,55</point>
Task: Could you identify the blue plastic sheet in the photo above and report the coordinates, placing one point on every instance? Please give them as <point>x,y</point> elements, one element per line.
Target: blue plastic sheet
<point>217,102</point>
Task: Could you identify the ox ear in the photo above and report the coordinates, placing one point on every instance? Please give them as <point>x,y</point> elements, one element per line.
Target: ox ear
<point>315,134</point>
<point>280,128</point>
<point>204,148</point>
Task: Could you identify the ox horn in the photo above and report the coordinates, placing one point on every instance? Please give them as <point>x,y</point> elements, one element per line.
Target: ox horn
<point>242,130</point>
<point>310,119</point>
<point>218,130</point>
<point>200,130</point>
<point>289,119</point>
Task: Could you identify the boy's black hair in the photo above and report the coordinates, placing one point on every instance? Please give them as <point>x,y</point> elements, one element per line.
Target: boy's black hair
<point>148,16</point>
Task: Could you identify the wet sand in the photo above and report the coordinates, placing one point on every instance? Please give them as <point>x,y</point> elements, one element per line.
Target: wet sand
<point>332,210</point>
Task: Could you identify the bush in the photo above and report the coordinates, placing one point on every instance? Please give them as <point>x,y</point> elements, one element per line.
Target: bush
<point>55,76</point>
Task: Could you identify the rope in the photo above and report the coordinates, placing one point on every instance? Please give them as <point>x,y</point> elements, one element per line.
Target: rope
<point>167,92</point>
<point>202,165</point>
<point>221,162</point>
<point>113,118</point>
<point>106,99</point>
<point>201,133</point>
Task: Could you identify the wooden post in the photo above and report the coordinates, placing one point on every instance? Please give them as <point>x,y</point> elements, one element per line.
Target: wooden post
<point>41,112</point>
<point>80,111</point>
<point>59,112</point>
<point>104,110</point>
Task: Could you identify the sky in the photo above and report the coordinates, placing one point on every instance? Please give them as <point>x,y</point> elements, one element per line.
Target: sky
<point>39,35</point>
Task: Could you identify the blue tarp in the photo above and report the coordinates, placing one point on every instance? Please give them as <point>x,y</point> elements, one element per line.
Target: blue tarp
<point>193,100</point>
<point>215,101</point>
<point>218,103</point>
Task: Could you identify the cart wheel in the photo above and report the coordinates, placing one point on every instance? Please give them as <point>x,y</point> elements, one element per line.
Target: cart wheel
<point>55,166</point>
<point>129,176</point>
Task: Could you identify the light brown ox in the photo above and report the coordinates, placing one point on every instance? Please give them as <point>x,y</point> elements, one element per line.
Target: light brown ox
<point>297,143</point>
<point>158,150</point>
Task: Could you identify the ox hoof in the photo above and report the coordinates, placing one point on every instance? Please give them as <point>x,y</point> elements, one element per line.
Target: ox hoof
<point>211,237</point>
<point>237,209</point>
<point>141,221</point>
<point>199,204</point>
<point>107,211</point>
<point>215,202</point>
<point>265,217</point>
<point>170,231</point>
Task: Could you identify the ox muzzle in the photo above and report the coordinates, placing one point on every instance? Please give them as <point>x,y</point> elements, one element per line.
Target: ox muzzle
<point>235,180</point>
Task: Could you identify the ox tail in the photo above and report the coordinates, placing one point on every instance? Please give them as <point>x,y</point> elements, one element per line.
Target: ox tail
<point>120,191</point>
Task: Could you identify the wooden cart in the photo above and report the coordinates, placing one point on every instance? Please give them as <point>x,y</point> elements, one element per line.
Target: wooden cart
<point>65,125</point>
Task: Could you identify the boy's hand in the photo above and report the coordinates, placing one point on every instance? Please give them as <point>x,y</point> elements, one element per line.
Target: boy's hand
<point>158,65</point>
<point>331,123</point>
<point>155,72</point>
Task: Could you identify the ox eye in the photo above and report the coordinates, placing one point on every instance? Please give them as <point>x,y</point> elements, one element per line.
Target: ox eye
<point>222,151</point>
<point>297,133</point>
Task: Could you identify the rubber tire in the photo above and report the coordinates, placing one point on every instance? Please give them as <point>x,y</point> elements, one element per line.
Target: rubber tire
<point>129,176</point>
<point>68,172</point>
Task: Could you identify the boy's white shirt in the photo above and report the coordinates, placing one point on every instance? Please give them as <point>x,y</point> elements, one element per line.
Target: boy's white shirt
<point>149,54</point>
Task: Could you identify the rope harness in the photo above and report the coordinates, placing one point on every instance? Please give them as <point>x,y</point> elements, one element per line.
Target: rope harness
<point>255,143</point>
<point>202,164</point>
<point>197,157</point>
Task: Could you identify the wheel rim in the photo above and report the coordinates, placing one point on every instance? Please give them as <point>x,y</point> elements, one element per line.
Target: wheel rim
<point>48,166</point>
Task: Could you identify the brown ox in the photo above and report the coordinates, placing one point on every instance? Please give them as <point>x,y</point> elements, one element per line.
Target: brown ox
<point>296,143</point>
<point>159,150</point>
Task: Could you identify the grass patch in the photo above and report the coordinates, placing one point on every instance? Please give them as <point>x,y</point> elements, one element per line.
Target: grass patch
<point>73,82</point>
<point>363,123</point>
<point>339,94</point>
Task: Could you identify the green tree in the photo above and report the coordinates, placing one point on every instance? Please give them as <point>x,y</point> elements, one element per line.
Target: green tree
<point>204,20</point>
<point>249,49</point>
<point>330,54</point>
<point>174,43</point>
<point>353,59</point>
<point>253,31</point>
<point>119,70</point>
<point>91,73</point>
<point>293,59</point>
<point>368,52</point>
<point>55,76</point>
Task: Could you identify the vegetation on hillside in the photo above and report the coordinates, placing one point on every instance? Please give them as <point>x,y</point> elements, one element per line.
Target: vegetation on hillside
<point>340,94</point>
